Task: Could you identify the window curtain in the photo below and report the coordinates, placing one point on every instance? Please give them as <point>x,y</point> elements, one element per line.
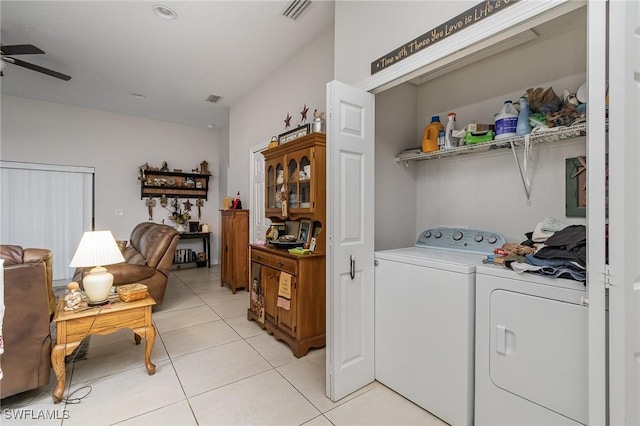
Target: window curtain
<point>46,206</point>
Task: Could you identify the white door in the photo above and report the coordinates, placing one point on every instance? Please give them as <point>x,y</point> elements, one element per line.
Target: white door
<point>350,204</point>
<point>258,223</point>
<point>624,211</point>
<point>596,190</point>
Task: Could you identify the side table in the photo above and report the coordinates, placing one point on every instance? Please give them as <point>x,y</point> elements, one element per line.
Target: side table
<point>206,243</point>
<point>73,326</point>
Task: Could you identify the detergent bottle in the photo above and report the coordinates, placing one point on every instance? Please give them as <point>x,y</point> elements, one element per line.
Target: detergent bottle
<point>430,135</point>
<point>506,121</point>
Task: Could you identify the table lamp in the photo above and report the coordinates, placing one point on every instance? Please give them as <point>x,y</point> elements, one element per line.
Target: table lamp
<point>97,248</point>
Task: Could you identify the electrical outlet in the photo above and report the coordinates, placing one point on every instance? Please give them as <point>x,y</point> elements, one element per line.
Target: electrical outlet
<point>119,212</point>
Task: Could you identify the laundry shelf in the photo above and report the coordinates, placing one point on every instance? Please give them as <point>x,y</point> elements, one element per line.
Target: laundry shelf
<point>562,133</point>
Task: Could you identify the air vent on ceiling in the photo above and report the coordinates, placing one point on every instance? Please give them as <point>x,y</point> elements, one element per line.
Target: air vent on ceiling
<point>296,8</point>
<point>213,98</point>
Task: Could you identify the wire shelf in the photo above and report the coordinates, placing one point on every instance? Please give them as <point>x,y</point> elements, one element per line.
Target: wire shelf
<point>559,134</point>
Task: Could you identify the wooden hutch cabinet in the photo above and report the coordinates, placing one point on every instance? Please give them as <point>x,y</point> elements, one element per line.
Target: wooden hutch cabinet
<point>298,169</point>
<point>235,249</point>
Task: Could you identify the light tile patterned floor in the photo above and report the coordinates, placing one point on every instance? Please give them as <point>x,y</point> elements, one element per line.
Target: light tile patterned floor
<point>213,367</point>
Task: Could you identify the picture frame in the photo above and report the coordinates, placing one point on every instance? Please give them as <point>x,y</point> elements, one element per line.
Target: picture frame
<point>575,188</point>
<point>294,134</point>
<point>194,226</point>
<point>306,231</point>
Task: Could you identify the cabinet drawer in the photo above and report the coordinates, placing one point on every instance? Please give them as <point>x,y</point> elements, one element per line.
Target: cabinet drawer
<point>260,257</point>
<point>284,264</point>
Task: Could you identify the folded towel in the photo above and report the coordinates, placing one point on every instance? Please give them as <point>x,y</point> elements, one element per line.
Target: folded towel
<point>284,291</point>
<point>547,228</point>
<point>551,224</point>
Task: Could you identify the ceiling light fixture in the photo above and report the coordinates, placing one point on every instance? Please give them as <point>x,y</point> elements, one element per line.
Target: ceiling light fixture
<point>165,12</point>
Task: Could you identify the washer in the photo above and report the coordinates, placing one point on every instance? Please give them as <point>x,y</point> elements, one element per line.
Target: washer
<point>531,349</point>
<point>424,319</point>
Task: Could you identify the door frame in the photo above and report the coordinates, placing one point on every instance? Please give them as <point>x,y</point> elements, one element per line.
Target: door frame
<point>256,211</point>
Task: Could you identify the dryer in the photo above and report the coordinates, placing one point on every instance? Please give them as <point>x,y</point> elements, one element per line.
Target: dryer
<point>424,319</point>
<point>531,349</point>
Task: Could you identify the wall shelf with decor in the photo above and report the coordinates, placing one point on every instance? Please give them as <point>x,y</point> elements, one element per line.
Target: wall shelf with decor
<point>174,184</point>
<point>563,133</point>
<point>527,141</point>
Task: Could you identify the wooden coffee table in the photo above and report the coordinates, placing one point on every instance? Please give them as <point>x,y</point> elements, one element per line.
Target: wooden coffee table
<point>73,326</point>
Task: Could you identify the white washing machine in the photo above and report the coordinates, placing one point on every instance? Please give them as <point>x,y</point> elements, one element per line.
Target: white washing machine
<point>424,319</point>
<point>531,349</point>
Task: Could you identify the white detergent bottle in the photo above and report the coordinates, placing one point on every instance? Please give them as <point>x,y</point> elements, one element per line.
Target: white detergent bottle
<point>506,121</point>
<point>451,125</point>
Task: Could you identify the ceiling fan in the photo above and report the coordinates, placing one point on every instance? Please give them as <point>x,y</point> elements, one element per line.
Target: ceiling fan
<point>26,49</point>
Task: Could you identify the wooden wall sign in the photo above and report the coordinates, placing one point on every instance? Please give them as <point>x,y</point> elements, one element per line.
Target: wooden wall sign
<point>442,31</point>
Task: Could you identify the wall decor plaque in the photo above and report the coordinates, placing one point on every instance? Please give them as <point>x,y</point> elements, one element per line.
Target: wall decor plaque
<point>294,134</point>
<point>442,31</point>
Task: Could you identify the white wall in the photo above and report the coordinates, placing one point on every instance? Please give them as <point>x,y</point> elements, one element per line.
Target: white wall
<point>478,191</point>
<point>367,30</point>
<point>260,114</point>
<point>395,200</point>
<point>475,190</point>
<point>115,145</point>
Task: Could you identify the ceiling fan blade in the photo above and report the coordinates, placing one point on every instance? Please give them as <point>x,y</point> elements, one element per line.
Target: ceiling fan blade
<point>20,49</point>
<point>39,69</point>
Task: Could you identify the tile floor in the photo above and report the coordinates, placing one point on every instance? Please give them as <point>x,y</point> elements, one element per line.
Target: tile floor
<point>213,367</point>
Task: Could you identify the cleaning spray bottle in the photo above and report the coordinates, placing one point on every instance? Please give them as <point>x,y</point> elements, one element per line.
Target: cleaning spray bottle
<point>451,126</point>
<point>430,135</point>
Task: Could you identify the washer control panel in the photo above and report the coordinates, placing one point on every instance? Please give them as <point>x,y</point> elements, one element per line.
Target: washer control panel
<point>461,239</point>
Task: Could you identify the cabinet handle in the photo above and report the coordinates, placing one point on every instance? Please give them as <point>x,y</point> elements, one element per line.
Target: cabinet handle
<point>259,257</point>
<point>280,264</point>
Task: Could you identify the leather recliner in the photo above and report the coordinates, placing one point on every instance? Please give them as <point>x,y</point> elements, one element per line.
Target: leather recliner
<point>148,259</point>
<point>29,306</point>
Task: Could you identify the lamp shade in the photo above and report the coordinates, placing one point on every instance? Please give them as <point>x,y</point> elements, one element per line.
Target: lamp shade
<point>97,248</point>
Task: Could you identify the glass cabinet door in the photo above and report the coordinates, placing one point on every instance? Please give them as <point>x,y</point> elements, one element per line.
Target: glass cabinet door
<point>292,183</point>
<point>274,176</point>
<point>299,168</point>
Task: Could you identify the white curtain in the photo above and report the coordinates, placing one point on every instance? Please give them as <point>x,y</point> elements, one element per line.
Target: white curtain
<point>46,206</point>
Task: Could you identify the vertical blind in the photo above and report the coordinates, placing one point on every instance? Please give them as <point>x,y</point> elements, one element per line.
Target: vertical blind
<point>46,206</point>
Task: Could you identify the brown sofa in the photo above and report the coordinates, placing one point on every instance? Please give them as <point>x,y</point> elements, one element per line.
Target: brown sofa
<point>148,259</point>
<point>29,306</point>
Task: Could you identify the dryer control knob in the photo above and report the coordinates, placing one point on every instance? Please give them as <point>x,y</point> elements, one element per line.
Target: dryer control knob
<point>492,239</point>
<point>427,234</point>
<point>457,236</point>
<point>437,234</point>
<point>479,238</point>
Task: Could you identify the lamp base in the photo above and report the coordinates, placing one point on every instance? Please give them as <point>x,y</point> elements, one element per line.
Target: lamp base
<point>101,303</point>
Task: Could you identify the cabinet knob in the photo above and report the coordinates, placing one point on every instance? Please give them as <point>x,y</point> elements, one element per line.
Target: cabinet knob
<point>281,264</point>
<point>259,257</point>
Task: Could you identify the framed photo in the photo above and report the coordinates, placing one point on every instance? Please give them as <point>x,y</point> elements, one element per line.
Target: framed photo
<point>575,188</point>
<point>294,134</point>
<point>306,231</point>
<point>194,226</point>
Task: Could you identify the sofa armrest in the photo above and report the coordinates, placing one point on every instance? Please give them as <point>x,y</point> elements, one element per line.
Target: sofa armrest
<point>125,273</point>
<point>37,255</point>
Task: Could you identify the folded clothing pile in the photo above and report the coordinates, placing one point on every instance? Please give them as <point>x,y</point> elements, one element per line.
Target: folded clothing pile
<point>562,255</point>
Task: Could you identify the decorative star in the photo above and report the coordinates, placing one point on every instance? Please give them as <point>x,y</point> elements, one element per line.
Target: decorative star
<point>304,113</point>
<point>187,205</point>
<point>287,121</point>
